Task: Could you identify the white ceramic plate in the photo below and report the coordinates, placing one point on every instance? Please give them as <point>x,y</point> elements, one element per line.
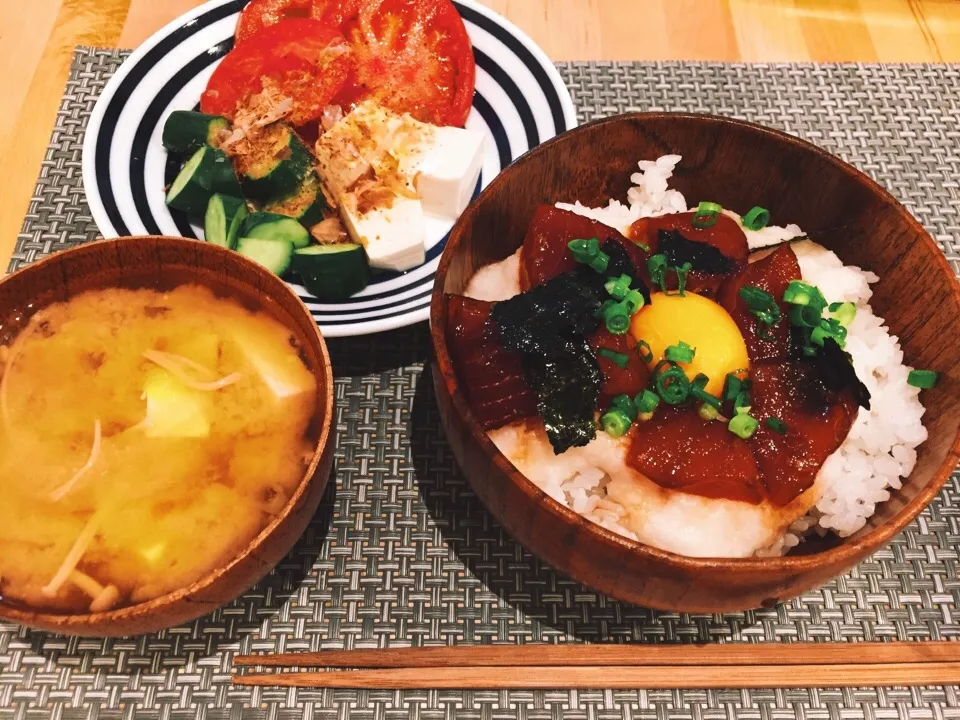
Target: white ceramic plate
<point>520,102</point>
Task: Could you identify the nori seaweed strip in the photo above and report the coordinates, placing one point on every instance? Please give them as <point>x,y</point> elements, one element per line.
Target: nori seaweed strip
<point>834,367</point>
<point>701,256</point>
<point>549,325</point>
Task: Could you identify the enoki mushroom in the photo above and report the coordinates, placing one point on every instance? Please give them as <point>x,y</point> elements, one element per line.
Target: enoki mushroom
<point>61,491</point>
<point>176,365</point>
<point>102,598</point>
<point>69,563</point>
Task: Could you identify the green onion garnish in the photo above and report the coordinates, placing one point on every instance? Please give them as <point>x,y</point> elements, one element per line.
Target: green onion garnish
<point>657,268</point>
<point>644,350</point>
<point>584,251</point>
<point>646,402</point>
<point>742,401</point>
<point>681,353</point>
<point>763,307</point>
<point>618,287</point>
<point>633,301</point>
<point>624,404</point>
<point>805,315</point>
<point>731,387</point>
<point>706,215</point>
<point>801,293</point>
<point>682,272</point>
<point>843,313</point>
<point>756,219</point>
<point>743,425</point>
<point>829,328</point>
<point>672,384</point>
<point>708,412</point>
<point>923,379</point>
<point>615,422</point>
<point>617,358</point>
<point>643,246</point>
<point>600,262</point>
<point>698,392</point>
<point>777,425</point>
<point>616,318</point>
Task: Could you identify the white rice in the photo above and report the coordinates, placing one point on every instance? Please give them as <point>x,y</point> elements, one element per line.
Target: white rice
<point>880,449</point>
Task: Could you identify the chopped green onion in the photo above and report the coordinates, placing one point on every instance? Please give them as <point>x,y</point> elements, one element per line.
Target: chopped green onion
<point>731,387</point>
<point>584,250</point>
<point>756,219</point>
<point>742,401</point>
<point>615,422</point>
<point>801,293</point>
<point>755,298</point>
<point>633,301</point>
<point>618,287</point>
<point>777,425</point>
<point>698,392</point>
<point>600,262</point>
<point>829,328</point>
<point>843,313</point>
<point>706,215</point>
<point>643,246</point>
<point>646,402</point>
<point>743,426</point>
<point>624,403</point>
<point>809,350</point>
<point>617,358</point>
<point>708,412</point>
<point>672,384</point>
<point>644,350</point>
<point>682,272</point>
<point>681,353</point>
<point>616,318</point>
<point>657,268</point>
<point>805,315</point>
<point>923,379</point>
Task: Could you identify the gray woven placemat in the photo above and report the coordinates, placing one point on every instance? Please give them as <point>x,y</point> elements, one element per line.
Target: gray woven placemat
<point>402,553</point>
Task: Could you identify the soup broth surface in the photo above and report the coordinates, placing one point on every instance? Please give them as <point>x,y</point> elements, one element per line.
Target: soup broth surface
<point>145,438</point>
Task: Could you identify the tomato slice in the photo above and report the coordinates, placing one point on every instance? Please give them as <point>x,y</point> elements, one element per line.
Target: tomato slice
<point>410,56</point>
<point>305,59</point>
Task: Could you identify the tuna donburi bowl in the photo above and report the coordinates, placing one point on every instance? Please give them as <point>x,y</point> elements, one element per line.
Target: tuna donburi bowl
<point>687,371</point>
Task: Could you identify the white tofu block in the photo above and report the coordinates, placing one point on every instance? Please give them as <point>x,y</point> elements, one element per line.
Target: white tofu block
<point>393,237</point>
<point>448,170</point>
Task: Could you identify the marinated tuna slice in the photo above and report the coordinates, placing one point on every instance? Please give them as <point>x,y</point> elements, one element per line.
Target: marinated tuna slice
<point>545,253</point>
<point>714,252</point>
<point>492,379</point>
<point>679,450</point>
<point>771,274</point>
<point>630,379</point>
<point>811,423</point>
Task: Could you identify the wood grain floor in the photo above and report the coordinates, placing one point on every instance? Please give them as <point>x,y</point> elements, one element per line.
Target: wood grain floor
<point>37,38</point>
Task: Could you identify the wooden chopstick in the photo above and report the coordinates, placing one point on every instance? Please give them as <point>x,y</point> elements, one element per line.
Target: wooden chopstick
<point>575,654</point>
<point>799,665</point>
<point>620,677</point>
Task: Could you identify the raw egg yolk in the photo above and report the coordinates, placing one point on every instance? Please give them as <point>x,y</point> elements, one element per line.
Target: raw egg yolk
<point>700,323</point>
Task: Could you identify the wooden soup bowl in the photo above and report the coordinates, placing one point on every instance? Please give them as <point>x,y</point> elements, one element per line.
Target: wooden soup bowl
<point>739,165</point>
<point>162,263</point>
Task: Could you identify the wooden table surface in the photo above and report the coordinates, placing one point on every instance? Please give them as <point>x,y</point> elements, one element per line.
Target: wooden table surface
<point>37,38</point>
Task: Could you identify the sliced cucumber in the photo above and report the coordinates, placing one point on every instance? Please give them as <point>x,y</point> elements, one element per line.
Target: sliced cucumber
<point>271,226</point>
<point>186,131</point>
<point>224,179</point>
<point>274,166</point>
<point>274,255</point>
<point>206,172</point>
<point>307,204</point>
<point>224,218</point>
<point>332,272</point>
<point>190,190</point>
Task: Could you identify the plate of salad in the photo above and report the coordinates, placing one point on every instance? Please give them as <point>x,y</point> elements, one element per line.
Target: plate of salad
<point>335,142</point>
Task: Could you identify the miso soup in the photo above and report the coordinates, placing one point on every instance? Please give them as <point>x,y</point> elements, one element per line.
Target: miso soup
<point>145,438</point>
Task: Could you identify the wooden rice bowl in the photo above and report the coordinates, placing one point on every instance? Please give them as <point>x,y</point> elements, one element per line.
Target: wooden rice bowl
<point>160,263</point>
<point>738,165</point>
